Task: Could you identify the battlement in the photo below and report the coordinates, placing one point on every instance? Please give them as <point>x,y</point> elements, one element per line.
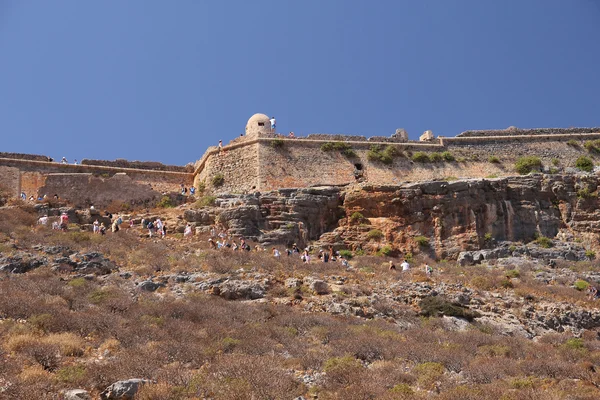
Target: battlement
<point>265,160</point>
<point>514,131</point>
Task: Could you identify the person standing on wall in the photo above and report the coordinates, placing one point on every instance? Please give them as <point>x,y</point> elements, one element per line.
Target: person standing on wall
<point>273,124</point>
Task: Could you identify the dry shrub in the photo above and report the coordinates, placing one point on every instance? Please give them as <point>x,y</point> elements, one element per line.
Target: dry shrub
<point>66,344</point>
<point>237,376</point>
<point>158,391</point>
<point>34,373</point>
<point>14,219</point>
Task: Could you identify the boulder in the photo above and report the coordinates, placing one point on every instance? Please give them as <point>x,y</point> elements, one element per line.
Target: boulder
<point>77,394</point>
<point>149,286</point>
<point>123,390</point>
<point>237,290</point>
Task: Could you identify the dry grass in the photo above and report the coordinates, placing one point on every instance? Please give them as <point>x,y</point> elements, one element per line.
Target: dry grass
<point>58,332</point>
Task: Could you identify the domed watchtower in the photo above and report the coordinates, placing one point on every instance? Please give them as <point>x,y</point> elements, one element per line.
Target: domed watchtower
<point>257,124</point>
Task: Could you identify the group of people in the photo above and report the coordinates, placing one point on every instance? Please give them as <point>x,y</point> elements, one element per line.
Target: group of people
<point>184,190</point>
<point>155,227</point>
<point>61,223</point>
<point>23,197</point>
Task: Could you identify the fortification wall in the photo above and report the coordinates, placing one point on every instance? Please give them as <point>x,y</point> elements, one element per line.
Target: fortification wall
<point>293,163</point>
<point>236,164</point>
<point>10,180</point>
<point>300,164</point>
<point>33,175</point>
<point>19,156</point>
<point>84,189</point>
<point>150,165</point>
<point>513,131</point>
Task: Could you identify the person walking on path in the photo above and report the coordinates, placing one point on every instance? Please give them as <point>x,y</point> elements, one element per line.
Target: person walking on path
<point>405,266</point>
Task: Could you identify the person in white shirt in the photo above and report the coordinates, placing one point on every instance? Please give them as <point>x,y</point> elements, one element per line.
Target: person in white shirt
<point>405,266</point>
<point>273,123</point>
<point>276,253</point>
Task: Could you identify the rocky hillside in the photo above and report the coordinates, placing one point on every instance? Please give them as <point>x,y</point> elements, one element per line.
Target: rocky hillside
<point>505,314</point>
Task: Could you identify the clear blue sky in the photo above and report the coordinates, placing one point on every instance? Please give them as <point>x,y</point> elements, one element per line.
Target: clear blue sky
<point>162,80</point>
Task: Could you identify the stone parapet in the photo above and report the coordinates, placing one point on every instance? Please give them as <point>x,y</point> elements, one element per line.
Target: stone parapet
<point>512,131</point>
<point>148,165</point>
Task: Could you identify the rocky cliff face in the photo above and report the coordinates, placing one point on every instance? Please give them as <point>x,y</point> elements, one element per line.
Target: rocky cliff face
<point>440,218</point>
<point>283,217</point>
<point>445,218</point>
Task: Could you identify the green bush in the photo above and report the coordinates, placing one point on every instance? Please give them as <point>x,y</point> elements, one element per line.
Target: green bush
<point>593,146</point>
<point>494,160</point>
<point>327,146</point>
<point>201,187</point>
<point>574,344</point>
<point>573,143</point>
<point>436,157</point>
<point>342,147</point>
<point>386,155</point>
<point>218,180</point>
<point>544,242</point>
<point>553,170</point>
<point>586,193</point>
<point>555,161</point>
<point>374,234</point>
<point>513,273</point>
<point>349,153</point>
<point>583,163</point>
<point>447,156</point>
<point>385,251</point>
<point>357,217</point>
<point>525,165</point>
<point>590,254</point>
<point>165,202</point>
<point>422,241</point>
<point>347,254</point>
<point>71,373</point>
<point>487,237</point>
<point>205,201</point>
<point>421,157</point>
<point>277,143</point>
<point>581,285</point>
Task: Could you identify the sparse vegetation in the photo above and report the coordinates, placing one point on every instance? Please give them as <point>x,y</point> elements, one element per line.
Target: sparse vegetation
<point>447,156</point>
<point>590,254</point>
<point>385,156</point>
<point>493,160</point>
<point>586,193</point>
<point>544,242</point>
<point>436,157</point>
<point>593,146</point>
<point>277,143</point>
<point>357,217</point>
<point>205,201</point>
<point>422,241</point>
<point>584,163</point>
<point>528,164</point>
<point>573,143</point>
<point>62,330</point>
<point>218,180</point>
<point>374,234</point>
<point>165,202</point>
<point>342,147</point>
<point>420,157</point>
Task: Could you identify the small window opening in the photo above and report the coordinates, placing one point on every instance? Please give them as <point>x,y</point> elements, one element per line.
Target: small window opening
<point>261,124</point>
<point>358,166</point>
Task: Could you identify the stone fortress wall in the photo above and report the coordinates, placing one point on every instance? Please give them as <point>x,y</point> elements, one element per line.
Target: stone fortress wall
<point>87,184</point>
<point>264,161</point>
<point>261,160</point>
